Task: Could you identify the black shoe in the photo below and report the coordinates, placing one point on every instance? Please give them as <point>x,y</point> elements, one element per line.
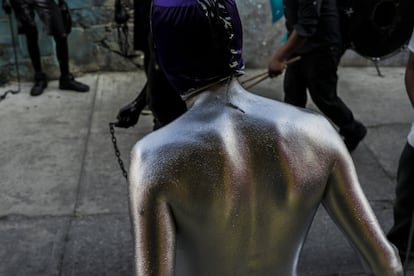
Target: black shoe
<point>353,135</point>
<point>40,84</point>
<point>68,82</point>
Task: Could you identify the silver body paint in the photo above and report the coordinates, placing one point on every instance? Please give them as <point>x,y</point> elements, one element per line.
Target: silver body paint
<point>232,186</point>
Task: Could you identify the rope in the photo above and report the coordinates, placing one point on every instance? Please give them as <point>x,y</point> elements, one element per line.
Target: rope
<point>250,82</point>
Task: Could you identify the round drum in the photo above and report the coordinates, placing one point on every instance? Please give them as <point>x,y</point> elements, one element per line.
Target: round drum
<point>377,28</point>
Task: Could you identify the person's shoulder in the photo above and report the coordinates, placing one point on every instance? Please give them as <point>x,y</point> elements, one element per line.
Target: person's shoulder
<point>151,161</point>
<point>163,158</point>
<point>156,142</point>
<point>316,125</point>
<point>306,124</point>
<point>282,112</point>
<point>172,142</point>
<point>312,119</point>
<point>274,113</point>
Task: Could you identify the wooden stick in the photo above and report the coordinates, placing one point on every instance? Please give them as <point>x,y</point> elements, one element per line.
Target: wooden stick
<point>293,60</point>
<point>257,81</point>
<point>264,75</point>
<point>255,77</point>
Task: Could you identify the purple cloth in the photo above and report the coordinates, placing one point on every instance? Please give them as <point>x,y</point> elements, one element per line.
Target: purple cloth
<point>173,3</point>
<point>196,43</point>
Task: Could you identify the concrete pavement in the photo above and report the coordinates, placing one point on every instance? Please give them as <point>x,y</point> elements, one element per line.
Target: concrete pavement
<point>63,200</point>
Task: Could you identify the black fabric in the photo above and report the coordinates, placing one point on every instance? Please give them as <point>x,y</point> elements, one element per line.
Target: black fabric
<point>142,9</point>
<point>66,16</point>
<point>317,72</point>
<point>48,12</point>
<point>197,42</point>
<point>62,53</point>
<point>51,16</point>
<point>164,102</point>
<point>121,15</point>
<point>344,6</point>
<point>317,20</point>
<point>33,49</point>
<point>6,7</point>
<point>128,115</point>
<point>404,203</point>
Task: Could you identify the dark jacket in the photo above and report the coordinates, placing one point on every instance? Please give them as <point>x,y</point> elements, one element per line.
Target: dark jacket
<point>142,9</point>
<point>317,20</point>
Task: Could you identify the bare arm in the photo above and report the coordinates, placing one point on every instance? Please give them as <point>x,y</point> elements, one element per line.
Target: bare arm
<point>308,14</point>
<point>154,231</point>
<point>409,78</point>
<point>278,62</point>
<point>346,203</point>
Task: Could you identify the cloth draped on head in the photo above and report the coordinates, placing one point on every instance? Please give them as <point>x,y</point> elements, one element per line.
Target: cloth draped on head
<point>197,42</point>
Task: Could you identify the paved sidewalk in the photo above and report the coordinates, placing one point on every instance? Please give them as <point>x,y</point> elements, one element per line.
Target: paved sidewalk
<point>63,200</point>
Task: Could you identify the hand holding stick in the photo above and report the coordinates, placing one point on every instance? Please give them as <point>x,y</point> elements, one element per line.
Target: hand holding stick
<point>264,75</point>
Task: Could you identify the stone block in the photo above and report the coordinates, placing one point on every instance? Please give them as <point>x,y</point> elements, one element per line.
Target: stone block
<point>5,35</point>
<point>6,54</point>
<point>80,46</point>
<point>80,4</point>
<point>92,16</point>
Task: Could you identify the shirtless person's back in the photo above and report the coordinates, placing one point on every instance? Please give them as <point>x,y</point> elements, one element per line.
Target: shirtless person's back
<point>232,186</point>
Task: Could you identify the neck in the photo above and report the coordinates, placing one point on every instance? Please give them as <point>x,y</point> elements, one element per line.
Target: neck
<point>194,92</point>
<point>220,91</point>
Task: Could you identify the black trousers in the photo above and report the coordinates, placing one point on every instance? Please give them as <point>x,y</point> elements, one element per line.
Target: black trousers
<point>51,17</point>
<point>48,12</point>
<point>404,202</point>
<point>317,73</point>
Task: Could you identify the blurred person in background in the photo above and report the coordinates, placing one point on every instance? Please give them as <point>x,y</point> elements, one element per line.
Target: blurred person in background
<point>53,23</point>
<point>314,35</point>
<point>404,202</point>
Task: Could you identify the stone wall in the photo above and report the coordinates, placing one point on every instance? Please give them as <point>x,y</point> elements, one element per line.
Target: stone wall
<point>93,41</point>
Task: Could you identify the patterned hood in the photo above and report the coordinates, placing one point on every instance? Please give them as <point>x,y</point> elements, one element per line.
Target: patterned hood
<point>197,42</point>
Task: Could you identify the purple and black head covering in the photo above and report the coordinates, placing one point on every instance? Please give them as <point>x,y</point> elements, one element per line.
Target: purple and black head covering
<point>197,41</point>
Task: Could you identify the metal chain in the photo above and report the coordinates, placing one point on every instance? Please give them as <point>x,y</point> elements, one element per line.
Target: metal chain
<point>117,152</point>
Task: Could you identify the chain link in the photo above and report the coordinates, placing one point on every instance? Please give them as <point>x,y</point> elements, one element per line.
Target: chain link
<point>116,149</point>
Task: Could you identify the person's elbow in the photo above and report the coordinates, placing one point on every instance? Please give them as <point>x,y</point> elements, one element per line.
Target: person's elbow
<point>388,264</point>
<point>306,29</point>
